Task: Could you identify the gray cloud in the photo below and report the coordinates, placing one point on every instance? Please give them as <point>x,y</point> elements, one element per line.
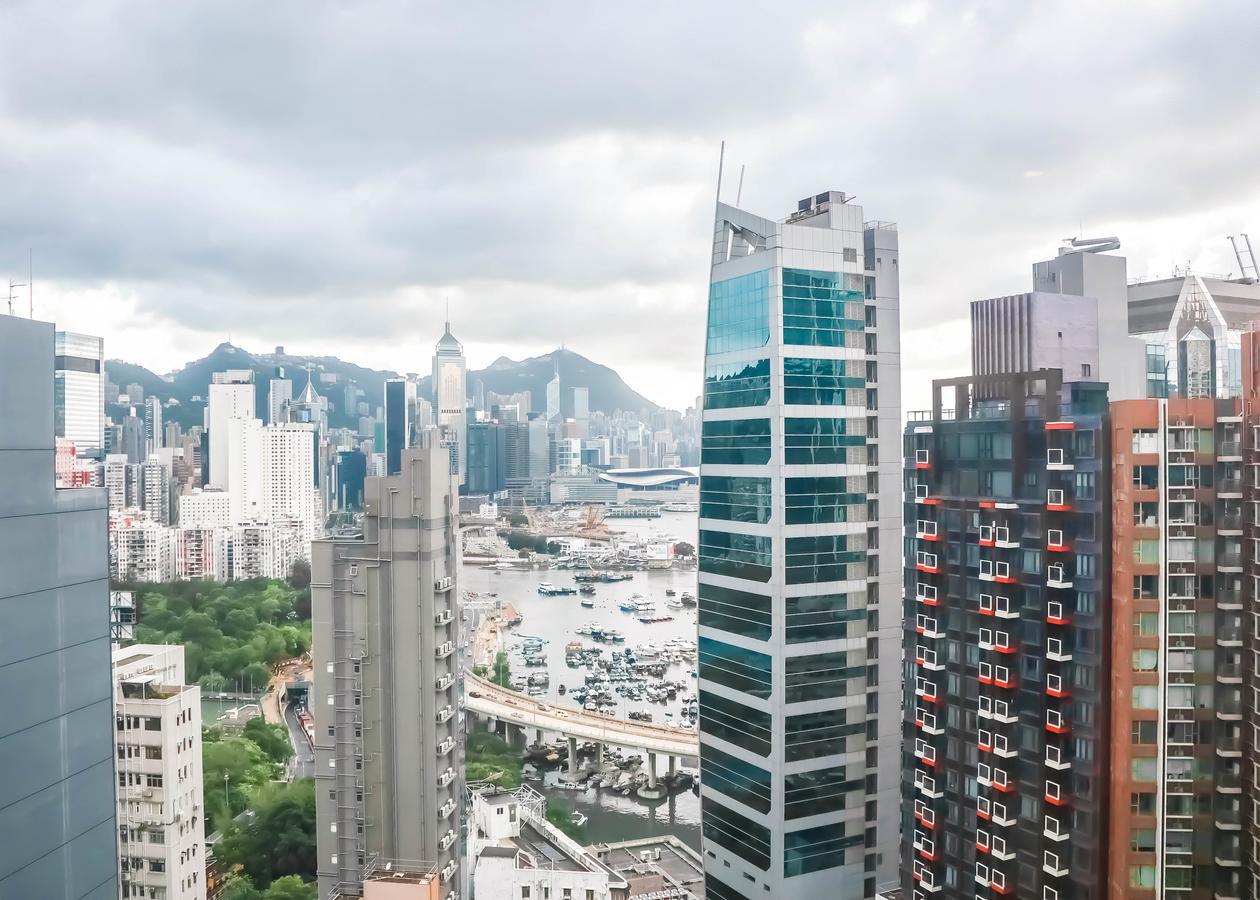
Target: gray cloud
<point>326,173</point>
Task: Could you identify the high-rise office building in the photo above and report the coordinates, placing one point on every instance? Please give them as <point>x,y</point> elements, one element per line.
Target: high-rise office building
<point>231,398</point>
<point>56,713</point>
<point>450,397</point>
<point>161,810</point>
<point>79,391</point>
<point>487,450</point>
<point>279,394</point>
<point>553,395</point>
<point>351,473</point>
<point>289,454</point>
<point>799,650</point>
<point>397,424</point>
<point>1007,621</point>
<point>154,434</point>
<point>389,723</point>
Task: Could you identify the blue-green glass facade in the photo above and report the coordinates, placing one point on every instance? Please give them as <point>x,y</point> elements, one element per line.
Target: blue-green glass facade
<point>736,499</point>
<point>739,612</point>
<point>732,385</point>
<point>820,309</point>
<point>735,442</point>
<point>820,382</point>
<point>737,555</point>
<point>792,377</point>
<point>739,313</point>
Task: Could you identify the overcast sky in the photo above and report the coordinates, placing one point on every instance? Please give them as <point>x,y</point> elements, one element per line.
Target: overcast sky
<point>326,175</point>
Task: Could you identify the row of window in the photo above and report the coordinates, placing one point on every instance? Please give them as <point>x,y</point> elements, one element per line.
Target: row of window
<point>806,382</point>
<point>806,441</point>
<point>808,501</point>
<point>807,736</point>
<point>827,557</point>
<point>746,556</point>
<point>822,617</point>
<point>739,313</point>
<point>742,670</point>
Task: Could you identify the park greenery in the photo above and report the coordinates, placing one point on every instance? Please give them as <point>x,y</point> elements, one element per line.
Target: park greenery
<point>234,635</point>
<point>276,843</point>
<point>235,767</point>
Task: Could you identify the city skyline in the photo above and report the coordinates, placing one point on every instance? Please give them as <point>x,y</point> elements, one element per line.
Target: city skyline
<point>968,162</point>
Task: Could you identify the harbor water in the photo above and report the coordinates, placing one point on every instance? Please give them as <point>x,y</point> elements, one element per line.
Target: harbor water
<point>554,620</point>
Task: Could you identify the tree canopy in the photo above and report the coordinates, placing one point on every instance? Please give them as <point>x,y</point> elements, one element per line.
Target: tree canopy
<point>278,840</point>
<point>233,634</point>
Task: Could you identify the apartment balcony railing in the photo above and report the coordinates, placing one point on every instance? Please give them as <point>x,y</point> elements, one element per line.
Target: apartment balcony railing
<point>1231,522</point>
<point>1229,634</point>
<point>1229,486</point>
<point>1229,560</point>
<point>1229,448</point>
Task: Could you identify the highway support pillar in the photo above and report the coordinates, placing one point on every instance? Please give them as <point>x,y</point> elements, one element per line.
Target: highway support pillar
<point>573,759</point>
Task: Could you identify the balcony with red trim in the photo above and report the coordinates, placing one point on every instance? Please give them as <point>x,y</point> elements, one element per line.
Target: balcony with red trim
<point>927,595</point>
<point>924,814</point>
<point>1057,500</point>
<point>986,538</point>
<point>1055,613</point>
<point>1060,426</point>
<point>1056,688</point>
<point>927,722</point>
<point>921,495</point>
<point>925,752</point>
<point>1055,723</point>
<point>927,562</point>
<point>926,658</point>
<point>1055,794</point>
<point>928,626</point>
<point>1056,541</point>
<point>923,459</point>
<point>925,689</point>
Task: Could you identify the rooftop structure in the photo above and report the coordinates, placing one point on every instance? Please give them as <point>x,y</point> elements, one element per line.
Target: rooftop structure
<point>660,868</point>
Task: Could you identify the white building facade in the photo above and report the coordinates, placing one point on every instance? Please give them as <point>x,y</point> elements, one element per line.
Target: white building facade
<point>161,813</point>
<point>230,397</point>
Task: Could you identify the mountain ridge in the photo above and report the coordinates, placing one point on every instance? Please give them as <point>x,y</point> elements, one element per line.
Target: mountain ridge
<point>187,386</point>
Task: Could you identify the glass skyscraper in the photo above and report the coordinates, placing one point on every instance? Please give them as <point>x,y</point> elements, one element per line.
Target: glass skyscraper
<point>79,391</point>
<point>57,746</point>
<point>799,619</point>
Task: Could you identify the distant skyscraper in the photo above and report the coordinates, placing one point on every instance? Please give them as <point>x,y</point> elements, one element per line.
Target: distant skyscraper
<point>57,736</point>
<point>388,741</point>
<point>134,441</point>
<point>397,424</point>
<point>154,435</point>
<point>351,473</point>
<point>231,397</point>
<point>487,450</point>
<point>79,391</point>
<point>450,396</point>
<point>799,540</point>
<point>553,395</point>
<point>582,411</point>
<point>279,393</point>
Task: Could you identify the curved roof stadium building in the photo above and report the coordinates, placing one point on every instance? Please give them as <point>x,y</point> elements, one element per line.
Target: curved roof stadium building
<point>653,478</point>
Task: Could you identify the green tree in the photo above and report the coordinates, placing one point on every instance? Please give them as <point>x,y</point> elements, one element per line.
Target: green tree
<point>682,548</point>
<point>246,767</point>
<point>518,520</point>
<point>241,888</point>
<point>272,739</point>
<point>300,574</point>
<point>502,670</point>
<point>212,683</point>
<point>290,887</point>
<point>279,839</point>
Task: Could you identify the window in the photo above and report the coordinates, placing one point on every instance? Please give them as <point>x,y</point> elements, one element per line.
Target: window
<point>823,441</point>
<point>736,442</point>
<point>828,557</point>
<point>737,779</point>
<point>739,669</point>
<point>735,499</point>
<point>739,612</point>
<point>739,313</point>
<point>818,677</point>
<point>1143,731</point>
<point>822,309</point>
<point>1142,877</point>
<point>813,849</point>
<point>822,500</point>
<point>1145,660</point>
<point>732,385</point>
<point>737,555</point>
<point>1142,803</point>
<point>1145,624</point>
<point>818,734</point>
<point>1146,477</point>
<point>735,723</point>
<point>524,892</point>
<point>748,840</point>
<point>821,382</point>
<point>820,617</point>
<point>1086,371</point>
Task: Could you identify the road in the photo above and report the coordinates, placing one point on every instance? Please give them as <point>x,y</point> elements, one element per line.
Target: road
<point>303,763</point>
<point>487,698</point>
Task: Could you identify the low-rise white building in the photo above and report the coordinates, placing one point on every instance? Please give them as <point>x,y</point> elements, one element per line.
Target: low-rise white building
<point>519,855</point>
<point>161,811</point>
